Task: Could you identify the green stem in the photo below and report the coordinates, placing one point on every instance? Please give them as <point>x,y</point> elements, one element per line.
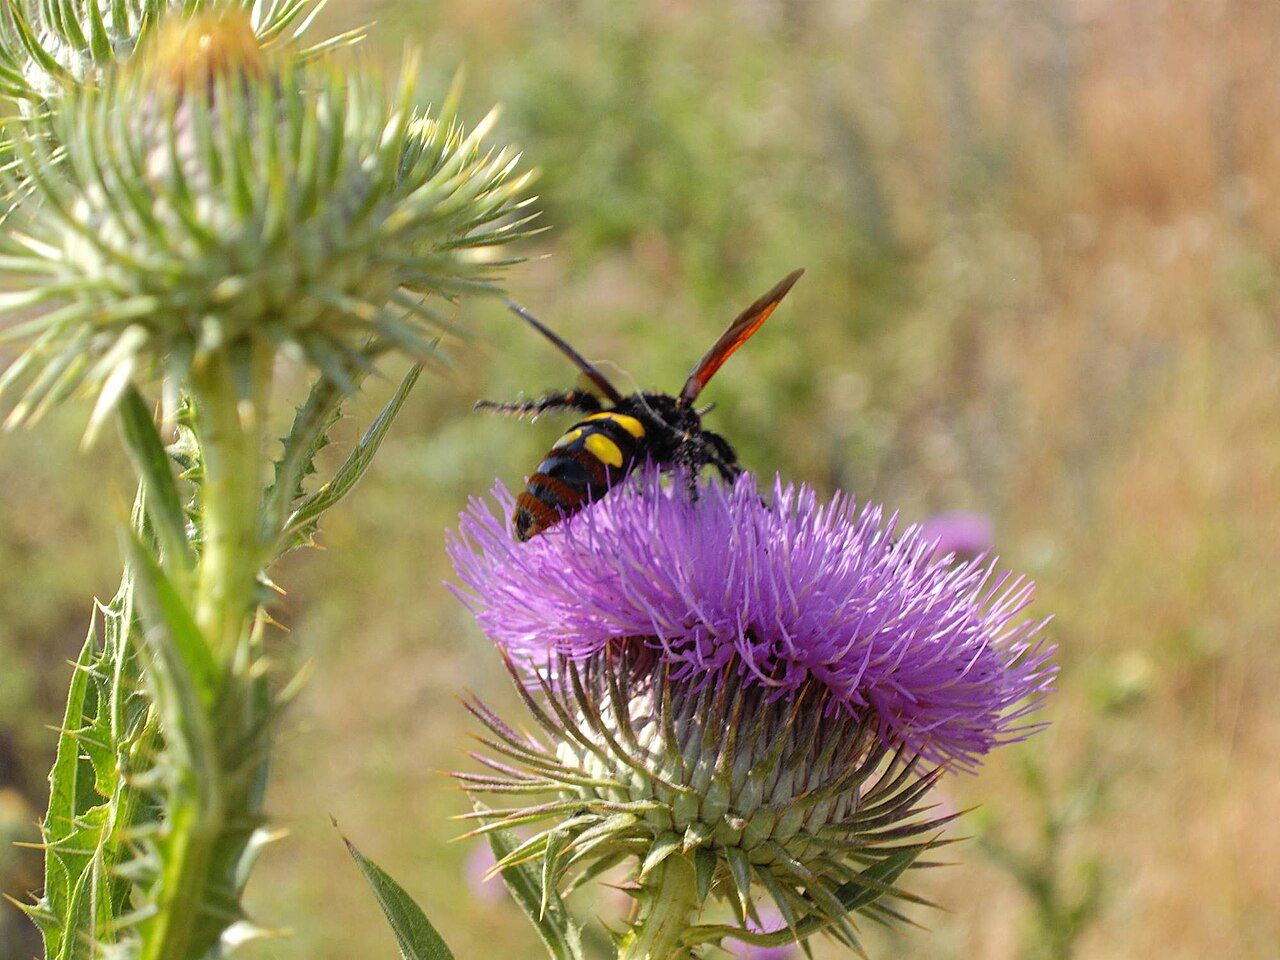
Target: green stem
<point>230,433</point>
<point>194,828</point>
<point>209,812</point>
<point>670,905</point>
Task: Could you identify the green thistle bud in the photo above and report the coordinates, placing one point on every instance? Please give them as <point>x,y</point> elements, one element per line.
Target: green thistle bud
<point>222,199</point>
<point>713,791</point>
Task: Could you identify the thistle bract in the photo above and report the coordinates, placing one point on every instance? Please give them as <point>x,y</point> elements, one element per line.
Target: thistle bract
<point>744,692</point>
<point>250,199</point>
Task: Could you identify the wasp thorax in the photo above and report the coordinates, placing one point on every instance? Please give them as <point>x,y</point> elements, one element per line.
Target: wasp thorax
<point>806,803</point>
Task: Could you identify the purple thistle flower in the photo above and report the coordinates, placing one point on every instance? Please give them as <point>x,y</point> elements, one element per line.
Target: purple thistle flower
<point>770,921</point>
<point>748,951</point>
<point>960,532</point>
<point>483,886</point>
<point>739,694</point>
<point>788,592</point>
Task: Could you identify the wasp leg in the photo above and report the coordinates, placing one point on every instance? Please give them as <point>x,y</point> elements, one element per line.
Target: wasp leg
<point>559,400</point>
<point>691,472</point>
<point>721,455</point>
<point>686,463</point>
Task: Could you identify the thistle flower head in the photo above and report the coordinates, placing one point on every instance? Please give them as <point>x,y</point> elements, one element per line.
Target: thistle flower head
<point>760,689</point>
<point>793,594</point>
<point>218,197</point>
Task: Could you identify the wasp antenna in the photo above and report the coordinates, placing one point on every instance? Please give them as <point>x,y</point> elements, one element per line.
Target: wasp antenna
<point>707,409</point>
<point>578,360</point>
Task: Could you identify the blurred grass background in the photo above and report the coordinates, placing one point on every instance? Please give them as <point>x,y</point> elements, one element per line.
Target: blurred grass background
<point>1042,242</point>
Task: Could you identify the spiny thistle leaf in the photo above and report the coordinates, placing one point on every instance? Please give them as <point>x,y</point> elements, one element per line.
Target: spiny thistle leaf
<point>302,522</point>
<point>154,467</point>
<point>181,658</point>
<point>96,799</point>
<point>415,936</point>
<point>313,423</point>
<point>59,821</point>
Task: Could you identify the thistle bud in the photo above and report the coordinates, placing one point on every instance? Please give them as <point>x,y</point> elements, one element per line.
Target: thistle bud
<point>50,48</point>
<point>738,695</point>
<point>221,199</point>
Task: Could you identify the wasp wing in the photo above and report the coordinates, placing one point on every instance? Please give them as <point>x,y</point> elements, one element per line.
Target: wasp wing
<point>581,362</point>
<point>739,332</point>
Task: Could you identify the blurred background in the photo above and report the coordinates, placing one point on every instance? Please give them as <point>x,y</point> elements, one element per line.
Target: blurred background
<point>1042,241</point>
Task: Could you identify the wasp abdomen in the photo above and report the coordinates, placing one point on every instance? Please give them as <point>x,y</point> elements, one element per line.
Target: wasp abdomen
<point>580,467</point>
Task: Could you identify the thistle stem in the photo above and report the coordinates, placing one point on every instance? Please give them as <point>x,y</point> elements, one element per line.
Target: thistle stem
<point>230,430</point>
<point>210,809</point>
<point>670,904</point>
<point>194,831</point>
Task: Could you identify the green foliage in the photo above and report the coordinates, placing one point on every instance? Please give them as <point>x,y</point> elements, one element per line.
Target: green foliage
<point>1066,892</point>
<point>223,199</point>
<point>158,490</point>
<point>416,937</point>
<point>155,811</point>
<point>100,793</point>
<point>302,522</point>
<point>532,886</point>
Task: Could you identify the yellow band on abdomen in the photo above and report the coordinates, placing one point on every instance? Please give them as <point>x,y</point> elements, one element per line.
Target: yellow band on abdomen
<point>627,423</point>
<point>567,439</point>
<point>603,449</point>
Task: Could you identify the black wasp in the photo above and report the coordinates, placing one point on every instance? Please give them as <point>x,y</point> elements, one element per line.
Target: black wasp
<point>607,444</point>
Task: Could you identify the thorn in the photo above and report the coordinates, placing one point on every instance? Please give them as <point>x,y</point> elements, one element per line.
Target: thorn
<point>271,621</point>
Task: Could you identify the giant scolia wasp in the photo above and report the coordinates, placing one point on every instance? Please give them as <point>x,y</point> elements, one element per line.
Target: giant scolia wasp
<point>604,446</point>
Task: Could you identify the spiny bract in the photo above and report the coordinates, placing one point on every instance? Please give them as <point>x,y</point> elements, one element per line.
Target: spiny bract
<point>192,207</point>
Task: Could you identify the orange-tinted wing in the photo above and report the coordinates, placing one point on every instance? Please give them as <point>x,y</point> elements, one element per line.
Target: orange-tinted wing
<point>739,332</point>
